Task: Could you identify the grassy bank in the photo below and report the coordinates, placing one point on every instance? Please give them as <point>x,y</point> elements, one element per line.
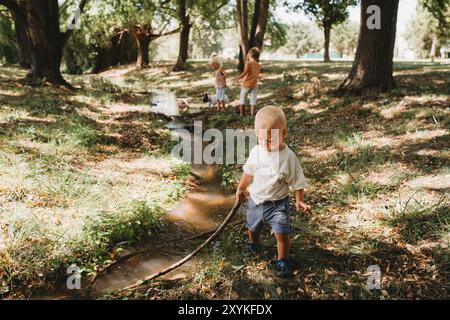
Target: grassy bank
<point>83,175</point>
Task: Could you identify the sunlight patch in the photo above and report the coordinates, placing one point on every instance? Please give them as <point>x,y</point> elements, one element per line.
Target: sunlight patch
<point>423,135</point>
<point>434,182</point>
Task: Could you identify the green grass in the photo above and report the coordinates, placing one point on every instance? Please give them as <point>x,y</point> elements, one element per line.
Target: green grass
<point>42,246</point>
<point>64,195</point>
<point>417,221</point>
<point>229,176</point>
<point>126,225</point>
<point>362,160</point>
<point>358,190</point>
<point>354,141</point>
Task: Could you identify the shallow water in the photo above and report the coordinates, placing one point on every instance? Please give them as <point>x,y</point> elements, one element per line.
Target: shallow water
<point>202,210</point>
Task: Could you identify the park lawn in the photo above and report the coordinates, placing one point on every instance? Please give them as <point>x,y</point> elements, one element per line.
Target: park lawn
<point>83,175</point>
<point>379,177</point>
<point>378,172</point>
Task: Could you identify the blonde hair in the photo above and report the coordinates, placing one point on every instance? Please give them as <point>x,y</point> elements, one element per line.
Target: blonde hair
<point>271,118</point>
<point>215,58</point>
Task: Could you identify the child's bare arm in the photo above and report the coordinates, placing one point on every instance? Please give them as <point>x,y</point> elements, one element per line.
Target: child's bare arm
<point>223,74</point>
<point>299,201</point>
<point>243,74</point>
<point>243,185</point>
<point>239,77</point>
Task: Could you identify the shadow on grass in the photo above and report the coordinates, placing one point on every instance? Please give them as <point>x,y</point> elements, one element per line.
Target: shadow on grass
<point>416,222</point>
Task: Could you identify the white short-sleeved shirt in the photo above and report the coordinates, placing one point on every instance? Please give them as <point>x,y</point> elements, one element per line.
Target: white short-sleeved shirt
<point>273,174</point>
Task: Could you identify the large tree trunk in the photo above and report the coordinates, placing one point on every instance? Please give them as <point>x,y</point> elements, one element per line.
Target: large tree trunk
<point>242,16</point>
<point>259,23</point>
<point>121,50</point>
<point>183,50</point>
<point>326,52</point>
<point>23,41</point>
<point>143,43</point>
<point>184,47</point>
<point>372,70</point>
<point>255,36</point>
<point>46,43</point>
<point>144,36</point>
<point>253,26</point>
<point>241,62</point>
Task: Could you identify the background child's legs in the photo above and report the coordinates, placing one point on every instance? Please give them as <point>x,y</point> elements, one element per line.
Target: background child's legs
<point>253,110</point>
<point>242,109</point>
<point>283,245</point>
<point>220,94</point>
<point>242,100</point>
<point>253,100</point>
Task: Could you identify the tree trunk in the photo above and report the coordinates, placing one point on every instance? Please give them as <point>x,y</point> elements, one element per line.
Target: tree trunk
<point>143,43</point>
<point>241,63</point>
<point>254,25</point>
<point>46,44</point>
<point>23,41</point>
<point>121,50</point>
<point>259,23</point>
<point>372,70</point>
<point>326,52</point>
<point>183,50</point>
<point>242,17</point>
<point>255,36</point>
<point>184,47</point>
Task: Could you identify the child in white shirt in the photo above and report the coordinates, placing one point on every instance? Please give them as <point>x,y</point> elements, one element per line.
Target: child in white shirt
<point>272,168</point>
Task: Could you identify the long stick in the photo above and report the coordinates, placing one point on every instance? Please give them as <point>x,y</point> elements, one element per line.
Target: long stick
<point>193,253</point>
<point>206,234</point>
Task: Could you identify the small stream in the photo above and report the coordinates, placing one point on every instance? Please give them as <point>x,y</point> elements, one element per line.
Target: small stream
<point>200,211</point>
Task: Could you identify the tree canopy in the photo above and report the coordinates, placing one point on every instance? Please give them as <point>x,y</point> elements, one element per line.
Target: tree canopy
<point>303,38</point>
<point>8,47</point>
<point>439,9</point>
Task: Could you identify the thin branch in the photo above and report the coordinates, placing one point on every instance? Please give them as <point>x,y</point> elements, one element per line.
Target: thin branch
<point>223,4</point>
<point>164,27</point>
<point>170,32</point>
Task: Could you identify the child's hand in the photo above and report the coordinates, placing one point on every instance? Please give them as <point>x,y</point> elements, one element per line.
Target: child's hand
<point>301,206</point>
<point>240,196</point>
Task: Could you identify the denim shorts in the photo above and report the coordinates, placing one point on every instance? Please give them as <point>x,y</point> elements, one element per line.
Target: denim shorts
<point>275,213</point>
<point>220,94</point>
<point>253,92</point>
